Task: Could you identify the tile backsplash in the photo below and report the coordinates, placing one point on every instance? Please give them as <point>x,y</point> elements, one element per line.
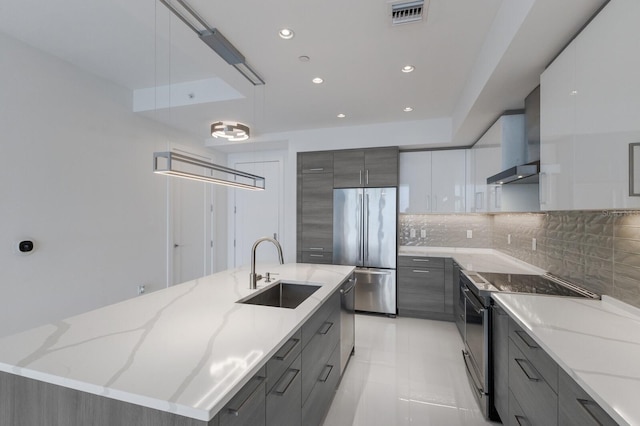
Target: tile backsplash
<point>599,250</point>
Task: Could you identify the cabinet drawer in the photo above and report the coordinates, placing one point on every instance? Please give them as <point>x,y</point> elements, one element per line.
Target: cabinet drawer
<point>247,407</point>
<point>311,327</point>
<point>539,359</point>
<point>577,407</point>
<point>324,257</point>
<point>500,329</point>
<point>536,398</point>
<point>283,358</point>
<point>315,409</point>
<point>421,261</point>
<point>316,354</point>
<point>516,416</point>
<point>284,404</point>
<point>316,162</point>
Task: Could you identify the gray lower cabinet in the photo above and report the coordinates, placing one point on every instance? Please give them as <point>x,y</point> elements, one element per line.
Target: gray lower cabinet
<point>576,407</point>
<point>315,409</point>
<point>247,407</point>
<point>284,401</point>
<point>458,300</point>
<point>531,389</point>
<point>424,290</point>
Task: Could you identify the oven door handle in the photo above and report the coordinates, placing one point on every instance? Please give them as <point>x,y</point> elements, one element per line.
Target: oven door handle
<point>476,307</point>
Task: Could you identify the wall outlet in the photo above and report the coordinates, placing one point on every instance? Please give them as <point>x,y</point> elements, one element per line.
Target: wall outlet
<point>469,233</point>
<point>508,238</point>
<point>412,233</point>
<point>534,244</point>
<point>141,289</point>
<point>423,233</point>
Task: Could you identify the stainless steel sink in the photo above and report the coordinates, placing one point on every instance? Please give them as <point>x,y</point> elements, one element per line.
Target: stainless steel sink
<point>282,295</point>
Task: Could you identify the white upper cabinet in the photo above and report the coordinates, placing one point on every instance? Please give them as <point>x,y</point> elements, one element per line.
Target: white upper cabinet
<point>432,181</point>
<point>590,113</point>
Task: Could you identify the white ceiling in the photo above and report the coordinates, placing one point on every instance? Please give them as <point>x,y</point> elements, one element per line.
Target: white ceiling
<point>352,45</point>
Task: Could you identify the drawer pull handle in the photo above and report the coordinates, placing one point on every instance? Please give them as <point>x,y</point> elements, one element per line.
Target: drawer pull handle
<point>317,169</point>
<point>420,271</point>
<point>316,248</point>
<point>293,373</point>
<point>585,404</point>
<point>420,260</point>
<point>521,334</point>
<point>522,421</point>
<point>521,363</point>
<point>328,369</point>
<point>316,255</point>
<point>292,344</point>
<point>325,328</point>
<point>236,411</point>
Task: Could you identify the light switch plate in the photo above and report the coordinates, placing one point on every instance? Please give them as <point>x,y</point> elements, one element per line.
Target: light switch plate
<point>412,233</point>
<point>534,244</point>
<point>508,238</point>
<point>469,233</point>
<point>423,233</point>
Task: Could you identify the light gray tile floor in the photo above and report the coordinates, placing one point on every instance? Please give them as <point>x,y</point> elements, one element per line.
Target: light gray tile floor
<point>405,371</point>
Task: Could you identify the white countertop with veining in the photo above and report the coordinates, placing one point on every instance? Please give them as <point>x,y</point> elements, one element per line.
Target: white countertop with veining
<point>475,259</point>
<point>597,342</point>
<point>186,349</point>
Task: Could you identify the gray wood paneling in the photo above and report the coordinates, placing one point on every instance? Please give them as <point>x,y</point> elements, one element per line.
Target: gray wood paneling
<point>421,289</point>
<point>284,403</point>
<point>316,162</point>
<point>316,407</point>
<point>540,360</point>
<point>381,167</point>
<point>348,169</point>
<point>576,407</point>
<point>500,332</point>
<point>317,353</point>
<point>421,261</point>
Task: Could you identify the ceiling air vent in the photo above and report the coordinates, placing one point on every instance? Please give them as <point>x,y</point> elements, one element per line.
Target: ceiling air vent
<point>404,13</point>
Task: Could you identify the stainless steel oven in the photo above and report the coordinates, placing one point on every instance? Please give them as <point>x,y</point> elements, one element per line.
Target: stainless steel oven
<point>476,343</point>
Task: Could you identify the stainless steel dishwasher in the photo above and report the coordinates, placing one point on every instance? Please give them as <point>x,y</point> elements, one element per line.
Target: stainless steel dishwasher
<point>347,321</point>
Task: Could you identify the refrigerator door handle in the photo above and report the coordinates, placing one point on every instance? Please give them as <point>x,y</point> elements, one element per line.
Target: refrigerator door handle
<point>366,227</point>
<point>360,244</point>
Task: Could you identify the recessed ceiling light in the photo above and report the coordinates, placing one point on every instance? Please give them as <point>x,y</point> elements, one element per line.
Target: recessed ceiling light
<point>285,33</point>
<point>408,68</point>
<point>408,109</point>
<point>341,115</point>
<point>317,80</point>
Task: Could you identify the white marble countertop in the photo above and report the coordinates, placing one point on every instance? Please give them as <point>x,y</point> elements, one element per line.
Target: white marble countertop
<point>186,349</point>
<point>475,259</point>
<point>597,342</point>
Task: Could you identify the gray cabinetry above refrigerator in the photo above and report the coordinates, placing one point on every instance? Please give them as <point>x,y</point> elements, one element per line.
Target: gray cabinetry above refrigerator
<point>376,167</point>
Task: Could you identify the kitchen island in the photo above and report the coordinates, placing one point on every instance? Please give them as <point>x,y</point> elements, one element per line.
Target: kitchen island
<point>185,350</point>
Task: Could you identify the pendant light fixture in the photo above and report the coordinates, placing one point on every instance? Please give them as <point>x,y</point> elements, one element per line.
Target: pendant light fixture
<point>184,166</point>
<point>234,132</point>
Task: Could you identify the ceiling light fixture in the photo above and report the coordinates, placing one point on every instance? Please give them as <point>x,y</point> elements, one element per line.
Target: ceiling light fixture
<point>286,33</point>
<point>408,68</point>
<point>341,115</point>
<point>183,166</point>
<point>235,132</point>
<point>408,109</point>
<point>318,80</point>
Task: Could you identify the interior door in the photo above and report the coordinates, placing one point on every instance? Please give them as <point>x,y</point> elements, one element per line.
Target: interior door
<point>258,213</point>
<point>191,230</point>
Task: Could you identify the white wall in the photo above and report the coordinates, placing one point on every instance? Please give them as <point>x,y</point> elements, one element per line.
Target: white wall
<point>76,178</point>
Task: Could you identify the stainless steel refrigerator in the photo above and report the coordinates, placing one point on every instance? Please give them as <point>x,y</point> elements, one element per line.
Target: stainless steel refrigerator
<point>364,235</point>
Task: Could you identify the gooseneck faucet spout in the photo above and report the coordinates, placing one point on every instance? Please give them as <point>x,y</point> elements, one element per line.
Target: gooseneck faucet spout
<point>253,278</point>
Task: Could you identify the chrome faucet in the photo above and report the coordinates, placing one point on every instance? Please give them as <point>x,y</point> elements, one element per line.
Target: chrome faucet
<point>253,278</point>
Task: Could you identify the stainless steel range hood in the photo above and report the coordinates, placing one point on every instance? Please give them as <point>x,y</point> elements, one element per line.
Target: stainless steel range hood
<point>526,147</point>
<point>525,173</point>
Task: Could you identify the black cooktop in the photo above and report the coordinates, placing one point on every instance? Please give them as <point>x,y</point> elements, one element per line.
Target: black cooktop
<point>521,283</point>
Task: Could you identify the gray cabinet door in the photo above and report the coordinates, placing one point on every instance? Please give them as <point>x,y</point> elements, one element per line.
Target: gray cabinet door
<point>576,407</point>
<point>500,333</point>
<point>316,407</point>
<point>316,162</point>
<point>316,354</point>
<point>420,291</point>
<point>247,407</point>
<point>284,404</point>
<point>317,212</point>
<point>348,169</point>
<point>381,167</point>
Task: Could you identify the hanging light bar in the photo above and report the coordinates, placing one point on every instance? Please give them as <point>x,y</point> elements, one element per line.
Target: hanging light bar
<point>166,163</point>
<point>213,38</point>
